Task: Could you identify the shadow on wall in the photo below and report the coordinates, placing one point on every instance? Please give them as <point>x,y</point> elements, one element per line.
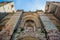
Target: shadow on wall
<point>2,15</point>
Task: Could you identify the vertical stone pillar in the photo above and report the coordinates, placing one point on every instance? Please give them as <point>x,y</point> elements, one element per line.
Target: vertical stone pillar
<point>10,26</point>
<point>51,29</point>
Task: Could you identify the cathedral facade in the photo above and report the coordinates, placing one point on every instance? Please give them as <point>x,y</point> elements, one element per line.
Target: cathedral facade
<point>28,26</point>
<point>37,25</point>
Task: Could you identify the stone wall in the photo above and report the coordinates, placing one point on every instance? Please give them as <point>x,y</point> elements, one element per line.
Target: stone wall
<point>57,13</point>
<point>52,31</point>
<point>9,27</point>
<point>2,15</point>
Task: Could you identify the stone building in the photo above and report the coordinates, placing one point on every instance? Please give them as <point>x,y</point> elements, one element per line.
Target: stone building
<point>7,7</point>
<point>53,7</point>
<point>52,11</point>
<point>28,26</point>
<point>37,25</point>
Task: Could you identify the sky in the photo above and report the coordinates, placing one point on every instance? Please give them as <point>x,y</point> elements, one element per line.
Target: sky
<point>29,5</point>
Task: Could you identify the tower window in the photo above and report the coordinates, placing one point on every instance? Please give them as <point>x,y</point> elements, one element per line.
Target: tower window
<point>12,6</point>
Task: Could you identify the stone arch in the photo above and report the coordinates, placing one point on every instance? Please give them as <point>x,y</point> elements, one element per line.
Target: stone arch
<point>34,19</point>
<point>30,16</point>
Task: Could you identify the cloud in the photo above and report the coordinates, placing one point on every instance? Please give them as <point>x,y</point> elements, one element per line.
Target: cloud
<point>37,5</point>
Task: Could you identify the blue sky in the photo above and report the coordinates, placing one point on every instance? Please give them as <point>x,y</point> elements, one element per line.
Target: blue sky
<point>32,5</point>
